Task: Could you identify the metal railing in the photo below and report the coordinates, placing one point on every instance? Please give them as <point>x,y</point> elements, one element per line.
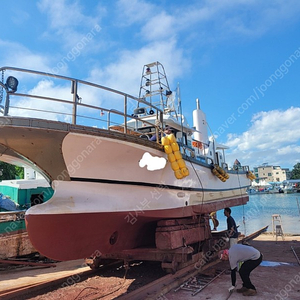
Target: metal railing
<point>114,116</point>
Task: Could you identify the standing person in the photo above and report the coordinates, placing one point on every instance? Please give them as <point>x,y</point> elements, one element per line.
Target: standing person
<point>231,228</point>
<point>213,216</point>
<point>250,258</point>
<point>167,130</point>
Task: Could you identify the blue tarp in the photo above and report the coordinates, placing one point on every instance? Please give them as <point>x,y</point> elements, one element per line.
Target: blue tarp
<point>7,203</point>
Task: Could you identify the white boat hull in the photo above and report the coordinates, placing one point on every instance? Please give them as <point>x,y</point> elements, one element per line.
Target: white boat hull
<point>83,218</point>
<point>121,198</point>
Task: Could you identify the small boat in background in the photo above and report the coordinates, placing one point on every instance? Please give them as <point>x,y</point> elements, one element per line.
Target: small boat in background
<point>120,182</point>
<point>14,240</point>
<point>291,186</point>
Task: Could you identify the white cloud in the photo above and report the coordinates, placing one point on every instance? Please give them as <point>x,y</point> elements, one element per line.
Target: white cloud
<point>64,15</point>
<point>290,149</point>
<point>160,27</point>
<point>14,54</point>
<point>40,108</point>
<point>68,22</point>
<point>134,11</point>
<point>213,20</point>
<point>272,137</point>
<point>245,18</point>
<point>125,73</point>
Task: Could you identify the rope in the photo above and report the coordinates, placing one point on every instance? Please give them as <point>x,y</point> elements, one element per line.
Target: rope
<point>244,221</point>
<point>198,177</point>
<point>97,290</point>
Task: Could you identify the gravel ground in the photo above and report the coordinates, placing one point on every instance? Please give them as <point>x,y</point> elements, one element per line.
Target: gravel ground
<point>107,285</point>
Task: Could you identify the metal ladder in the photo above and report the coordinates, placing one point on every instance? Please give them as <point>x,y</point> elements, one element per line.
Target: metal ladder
<point>277,226</point>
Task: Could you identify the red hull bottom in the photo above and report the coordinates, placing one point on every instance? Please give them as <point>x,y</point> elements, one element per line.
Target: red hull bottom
<point>73,236</point>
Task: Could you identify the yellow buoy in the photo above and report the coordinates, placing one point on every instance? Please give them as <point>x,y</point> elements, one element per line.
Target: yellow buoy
<point>171,157</point>
<point>221,177</point>
<point>168,149</point>
<point>171,137</point>
<point>220,170</point>
<point>178,174</point>
<point>171,148</point>
<point>165,140</point>
<point>175,147</point>
<point>185,172</point>
<point>250,175</point>
<point>214,171</point>
<point>181,163</point>
<point>178,155</point>
<point>175,166</point>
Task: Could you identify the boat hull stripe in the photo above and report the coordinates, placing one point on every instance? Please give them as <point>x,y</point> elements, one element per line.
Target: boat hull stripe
<point>148,184</point>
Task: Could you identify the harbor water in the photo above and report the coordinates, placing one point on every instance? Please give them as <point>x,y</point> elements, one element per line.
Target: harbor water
<point>257,213</point>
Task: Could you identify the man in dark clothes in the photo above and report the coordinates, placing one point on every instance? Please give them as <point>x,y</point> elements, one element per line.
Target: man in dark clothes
<point>244,259</point>
<point>231,228</point>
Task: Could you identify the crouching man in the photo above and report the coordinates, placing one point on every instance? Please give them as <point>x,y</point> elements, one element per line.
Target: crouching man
<point>244,259</point>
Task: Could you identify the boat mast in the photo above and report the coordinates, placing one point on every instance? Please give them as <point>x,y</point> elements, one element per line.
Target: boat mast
<point>154,83</point>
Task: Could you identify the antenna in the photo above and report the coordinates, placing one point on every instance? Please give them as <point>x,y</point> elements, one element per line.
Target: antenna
<point>180,112</point>
<point>1,91</point>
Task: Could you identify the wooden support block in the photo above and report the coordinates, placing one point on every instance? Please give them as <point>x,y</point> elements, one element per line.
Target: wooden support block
<point>179,227</point>
<point>179,238</point>
<point>184,221</point>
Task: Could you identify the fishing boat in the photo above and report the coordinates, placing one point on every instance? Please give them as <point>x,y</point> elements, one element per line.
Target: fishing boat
<point>291,186</point>
<point>119,181</point>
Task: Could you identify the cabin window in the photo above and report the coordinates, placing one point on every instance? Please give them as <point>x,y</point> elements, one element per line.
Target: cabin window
<point>147,129</point>
<point>181,138</point>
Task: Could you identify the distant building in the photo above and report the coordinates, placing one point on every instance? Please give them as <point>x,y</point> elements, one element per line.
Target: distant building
<point>288,173</point>
<point>271,173</point>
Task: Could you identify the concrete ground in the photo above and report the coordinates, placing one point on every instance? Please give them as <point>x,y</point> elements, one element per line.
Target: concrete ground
<point>18,278</point>
<point>278,277</point>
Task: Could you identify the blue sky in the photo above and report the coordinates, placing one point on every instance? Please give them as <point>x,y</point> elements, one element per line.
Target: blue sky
<point>241,58</point>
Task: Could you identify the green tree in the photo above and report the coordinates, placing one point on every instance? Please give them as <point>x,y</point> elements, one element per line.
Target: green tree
<point>9,171</point>
<point>296,171</point>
